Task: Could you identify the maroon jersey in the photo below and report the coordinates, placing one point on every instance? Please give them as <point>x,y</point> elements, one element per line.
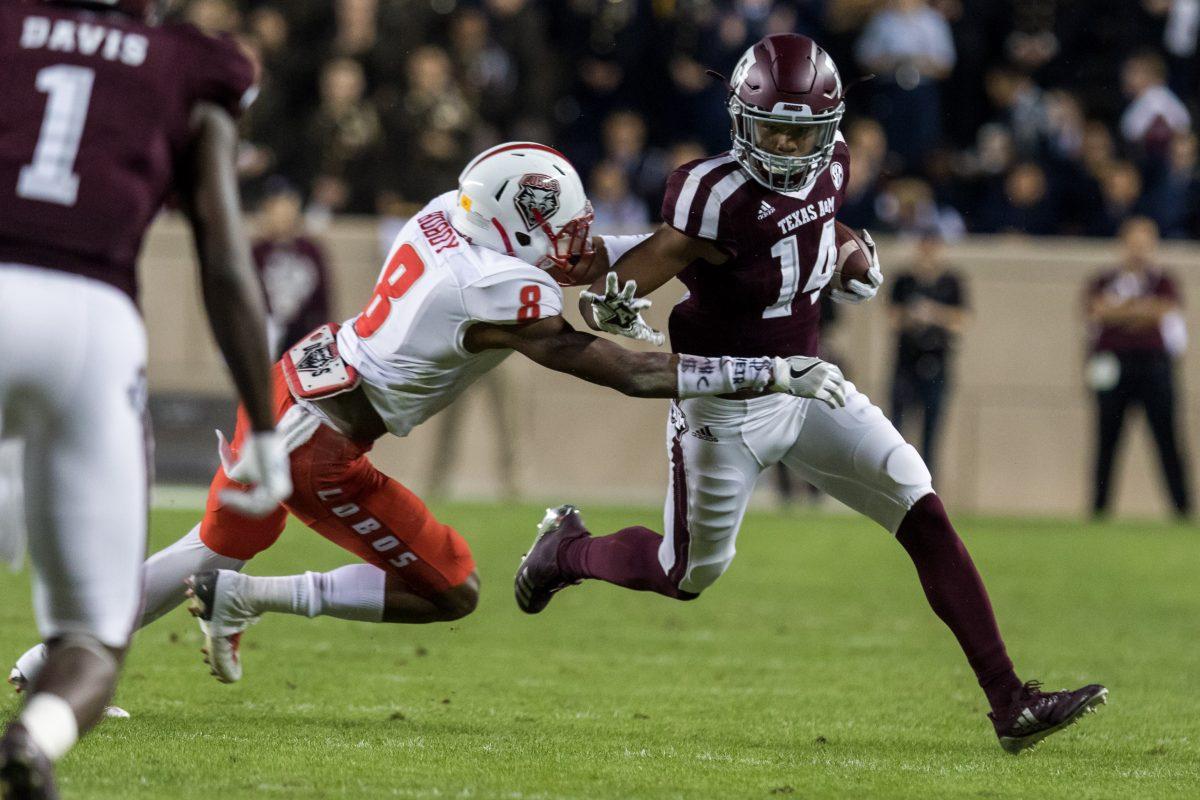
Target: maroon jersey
<point>1127,285</point>
<point>763,301</point>
<point>94,114</point>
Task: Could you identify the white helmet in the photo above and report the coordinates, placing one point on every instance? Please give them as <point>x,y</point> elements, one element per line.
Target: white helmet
<point>526,200</point>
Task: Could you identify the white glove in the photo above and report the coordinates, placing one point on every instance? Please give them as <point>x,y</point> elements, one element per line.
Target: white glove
<point>805,376</point>
<point>618,311</point>
<point>264,464</point>
<point>860,291</point>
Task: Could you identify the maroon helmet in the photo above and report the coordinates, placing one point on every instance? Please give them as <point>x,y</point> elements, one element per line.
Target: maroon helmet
<point>785,88</point>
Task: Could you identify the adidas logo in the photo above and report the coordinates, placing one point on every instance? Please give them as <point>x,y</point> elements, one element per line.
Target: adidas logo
<point>1026,721</point>
<point>765,210</point>
<point>704,433</point>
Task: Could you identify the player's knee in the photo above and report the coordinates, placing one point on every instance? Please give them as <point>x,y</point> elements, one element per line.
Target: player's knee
<point>711,553</point>
<point>697,579</point>
<point>905,466</point>
<point>459,601</point>
<point>906,475</point>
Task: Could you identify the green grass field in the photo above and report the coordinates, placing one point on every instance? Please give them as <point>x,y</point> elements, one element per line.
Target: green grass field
<point>813,669</point>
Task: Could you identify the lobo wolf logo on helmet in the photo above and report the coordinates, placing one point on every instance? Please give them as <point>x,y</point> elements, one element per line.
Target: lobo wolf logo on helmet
<point>537,199</point>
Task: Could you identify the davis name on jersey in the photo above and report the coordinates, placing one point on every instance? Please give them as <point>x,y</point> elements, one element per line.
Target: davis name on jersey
<point>763,300</point>
<point>94,117</point>
<point>407,344</point>
<point>86,38</point>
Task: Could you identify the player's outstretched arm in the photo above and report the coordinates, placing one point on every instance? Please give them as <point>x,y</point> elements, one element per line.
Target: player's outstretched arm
<point>236,309</point>
<point>653,262</point>
<point>232,295</point>
<point>554,344</point>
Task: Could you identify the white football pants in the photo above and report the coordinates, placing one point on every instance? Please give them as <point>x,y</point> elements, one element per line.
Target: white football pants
<point>72,386</point>
<point>718,448</point>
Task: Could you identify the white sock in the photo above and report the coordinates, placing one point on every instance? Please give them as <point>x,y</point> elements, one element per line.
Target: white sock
<point>353,592</point>
<point>51,724</point>
<point>164,573</point>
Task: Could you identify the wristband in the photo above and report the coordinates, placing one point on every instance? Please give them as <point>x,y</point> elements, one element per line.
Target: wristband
<point>701,377</point>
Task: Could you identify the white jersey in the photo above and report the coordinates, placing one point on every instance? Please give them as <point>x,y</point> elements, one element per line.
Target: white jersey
<point>407,344</point>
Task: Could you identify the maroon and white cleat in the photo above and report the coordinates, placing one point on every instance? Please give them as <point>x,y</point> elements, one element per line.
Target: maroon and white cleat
<point>25,772</point>
<point>1034,714</point>
<point>539,576</point>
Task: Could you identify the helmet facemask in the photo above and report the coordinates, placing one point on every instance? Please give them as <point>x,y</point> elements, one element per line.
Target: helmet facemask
<point>570,246</point>
<point>814,136</point>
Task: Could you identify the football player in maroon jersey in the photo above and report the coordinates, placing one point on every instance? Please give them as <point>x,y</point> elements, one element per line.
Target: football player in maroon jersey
<point>750,232</point>
<point>100,115</point>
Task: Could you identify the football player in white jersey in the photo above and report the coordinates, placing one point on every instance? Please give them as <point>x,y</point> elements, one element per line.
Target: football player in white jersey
<point>471,278</point>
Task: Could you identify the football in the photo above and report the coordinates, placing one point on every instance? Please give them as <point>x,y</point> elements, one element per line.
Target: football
<point>853,257</point>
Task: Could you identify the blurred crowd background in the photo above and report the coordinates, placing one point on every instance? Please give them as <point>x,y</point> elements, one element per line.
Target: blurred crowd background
<point>1034,116</point>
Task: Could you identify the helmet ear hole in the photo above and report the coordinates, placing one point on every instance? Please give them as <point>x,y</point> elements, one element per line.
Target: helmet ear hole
<point>523,239</point>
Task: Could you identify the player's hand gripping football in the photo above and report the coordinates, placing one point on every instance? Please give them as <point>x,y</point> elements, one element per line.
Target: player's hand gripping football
<point>619,311</point>
<point>805,376</point>
<point>263,464</point>
<point>862,291</point>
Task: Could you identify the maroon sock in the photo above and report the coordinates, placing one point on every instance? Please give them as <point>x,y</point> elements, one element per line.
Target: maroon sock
<point>626,558</point>
<point>956,592</point>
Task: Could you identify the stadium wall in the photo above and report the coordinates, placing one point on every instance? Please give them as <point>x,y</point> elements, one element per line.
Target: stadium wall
<point>1018,435</point>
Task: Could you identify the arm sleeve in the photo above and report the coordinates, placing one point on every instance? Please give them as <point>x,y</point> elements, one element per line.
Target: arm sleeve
<point>514,296</point>
<point>620,245</point>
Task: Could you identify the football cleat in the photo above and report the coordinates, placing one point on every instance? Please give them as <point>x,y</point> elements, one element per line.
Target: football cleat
<point>26,670</point>
<point>539,576</point>
<point>215,600</point>
<point>1034,714</point>
<point>25,772</point>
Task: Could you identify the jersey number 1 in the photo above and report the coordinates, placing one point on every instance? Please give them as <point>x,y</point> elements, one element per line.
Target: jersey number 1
<point>50,177</point>
<point>788,253</point>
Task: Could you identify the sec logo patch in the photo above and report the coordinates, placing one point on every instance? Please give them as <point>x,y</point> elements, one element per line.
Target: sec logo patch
<point>837,174</point>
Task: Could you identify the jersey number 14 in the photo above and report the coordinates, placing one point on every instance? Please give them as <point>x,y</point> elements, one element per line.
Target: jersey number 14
<point>788,252</point>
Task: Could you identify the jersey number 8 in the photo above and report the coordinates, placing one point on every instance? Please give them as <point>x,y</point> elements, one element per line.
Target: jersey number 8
<point>403,270</point>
